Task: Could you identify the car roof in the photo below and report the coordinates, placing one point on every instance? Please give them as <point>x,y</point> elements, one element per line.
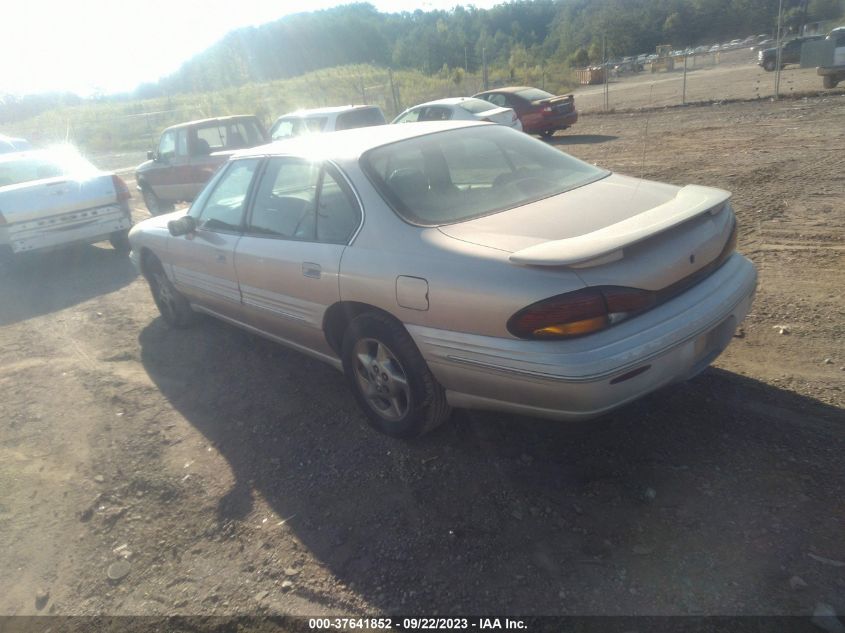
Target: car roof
<point>448,101</point>
<point>330,110</point>
<point>509,89</point>
<point>350,144</point>
<point>211,120</point>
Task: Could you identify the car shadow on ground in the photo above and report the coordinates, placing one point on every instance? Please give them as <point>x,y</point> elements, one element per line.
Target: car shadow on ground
<point>702,498</point>
<point>40,283</point>
<point>581,139</point>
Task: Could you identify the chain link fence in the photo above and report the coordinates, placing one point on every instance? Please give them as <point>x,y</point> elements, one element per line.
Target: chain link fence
<point>694,78</point>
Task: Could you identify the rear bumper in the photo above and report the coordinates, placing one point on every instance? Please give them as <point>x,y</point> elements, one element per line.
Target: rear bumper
<point>88,226</point>
<point>556,122</point>
<point>586,377</point>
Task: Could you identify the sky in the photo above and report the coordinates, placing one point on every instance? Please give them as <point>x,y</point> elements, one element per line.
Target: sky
<point>108,46</point>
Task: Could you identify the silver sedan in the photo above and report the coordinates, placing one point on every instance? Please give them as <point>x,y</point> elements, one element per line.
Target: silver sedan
<point>460,109</point>
<point>456,264</point>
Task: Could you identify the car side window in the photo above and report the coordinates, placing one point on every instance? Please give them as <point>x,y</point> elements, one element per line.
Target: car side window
<point>411,116</point>
<point>285,202</point>
<point>213,135</point>
<point>436,113</point>
<point>338,214</point>
<point>223,209</point>
<point>167,145</point>
<point>497,99</point>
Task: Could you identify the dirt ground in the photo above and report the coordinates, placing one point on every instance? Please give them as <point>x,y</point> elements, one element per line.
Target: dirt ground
<point>235,476</point>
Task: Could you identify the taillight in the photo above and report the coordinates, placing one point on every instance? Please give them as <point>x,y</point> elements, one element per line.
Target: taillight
<point>580,312</point>
<point>121,189</point>
<point>547,109</point>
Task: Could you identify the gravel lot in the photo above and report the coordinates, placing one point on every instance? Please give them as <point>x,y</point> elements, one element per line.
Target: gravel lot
<point>235,476</point>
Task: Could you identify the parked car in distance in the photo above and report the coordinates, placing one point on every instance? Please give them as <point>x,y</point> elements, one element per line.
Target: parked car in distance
<point>539,111</point>
<point>53,198</point>
<point>790,53</point>
<point>833,70</point>
<point>460,109</point>
<point>457,264</point>
<point>325,120</point>
<point>12,144</point>
<point>188,154</point>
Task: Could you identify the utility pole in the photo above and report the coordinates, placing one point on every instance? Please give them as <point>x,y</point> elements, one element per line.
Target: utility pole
<point>466,60</point>
<point>484,67</point>
<point>606,70</point>
<point>778,44</point>
<point>684,93</point>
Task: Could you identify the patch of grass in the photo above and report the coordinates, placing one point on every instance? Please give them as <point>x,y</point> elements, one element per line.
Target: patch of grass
<point>134,125</point>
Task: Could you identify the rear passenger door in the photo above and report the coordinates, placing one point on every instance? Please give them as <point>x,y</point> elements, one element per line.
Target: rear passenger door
<point>288,260</point>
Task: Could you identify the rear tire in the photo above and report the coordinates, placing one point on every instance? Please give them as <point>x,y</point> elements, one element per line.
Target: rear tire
<point>172,304</point>
<point>120,242</point>
<point>154,204</point>
<point>390,379</point>
<point>829,82</point>
<point>768,66</point>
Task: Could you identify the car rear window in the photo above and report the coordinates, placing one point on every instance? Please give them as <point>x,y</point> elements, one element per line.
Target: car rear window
<point>459,174</point>
<point>476,106</point>
<point>32,167</point>
<point>362,117</point>
<point>535,94</point>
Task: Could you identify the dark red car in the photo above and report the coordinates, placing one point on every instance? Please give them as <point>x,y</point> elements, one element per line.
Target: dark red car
<point>540,112</point>
<point>189,153</point>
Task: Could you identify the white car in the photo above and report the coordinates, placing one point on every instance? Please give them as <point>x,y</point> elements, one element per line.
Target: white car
<point>319,120</point>
<point>12,144</point>
<point>460,109</point>
<point>53,198</point>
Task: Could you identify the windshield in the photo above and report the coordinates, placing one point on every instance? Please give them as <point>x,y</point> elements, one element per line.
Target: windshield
<point>456,175</point>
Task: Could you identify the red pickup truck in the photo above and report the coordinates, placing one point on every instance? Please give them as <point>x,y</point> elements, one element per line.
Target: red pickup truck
<point>188,154</point>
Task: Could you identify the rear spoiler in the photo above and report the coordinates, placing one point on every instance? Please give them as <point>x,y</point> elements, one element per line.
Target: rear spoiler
<point>550,101</point>
<point>606,244</point>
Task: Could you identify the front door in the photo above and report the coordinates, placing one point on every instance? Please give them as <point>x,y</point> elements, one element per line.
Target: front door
<point>203,261</point>
<point>288,260</point>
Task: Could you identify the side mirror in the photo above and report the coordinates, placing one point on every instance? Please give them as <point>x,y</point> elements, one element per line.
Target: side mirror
<point>151,155</point>
<point>183,226</point>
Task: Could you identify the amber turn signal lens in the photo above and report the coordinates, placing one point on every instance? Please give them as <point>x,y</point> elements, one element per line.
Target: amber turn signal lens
<point>572,329</point>
<point>579,312</point>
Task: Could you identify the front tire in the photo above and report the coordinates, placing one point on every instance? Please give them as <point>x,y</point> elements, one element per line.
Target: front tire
<point>769,66</point>
<point>154,204</point>
<point>829,82</point>
<point>390,379</point>
<point>172,304</point>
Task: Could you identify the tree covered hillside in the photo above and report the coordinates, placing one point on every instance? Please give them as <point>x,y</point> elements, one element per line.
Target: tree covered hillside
<point>515,34</point>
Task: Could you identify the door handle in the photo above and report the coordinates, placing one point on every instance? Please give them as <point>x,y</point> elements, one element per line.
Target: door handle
<point>312,270</point>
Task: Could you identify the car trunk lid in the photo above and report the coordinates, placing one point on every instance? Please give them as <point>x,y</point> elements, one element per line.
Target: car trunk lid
<point>619,230</point>
<point>58,196</point>
<point>503,116</point>
<point>556,105</point>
